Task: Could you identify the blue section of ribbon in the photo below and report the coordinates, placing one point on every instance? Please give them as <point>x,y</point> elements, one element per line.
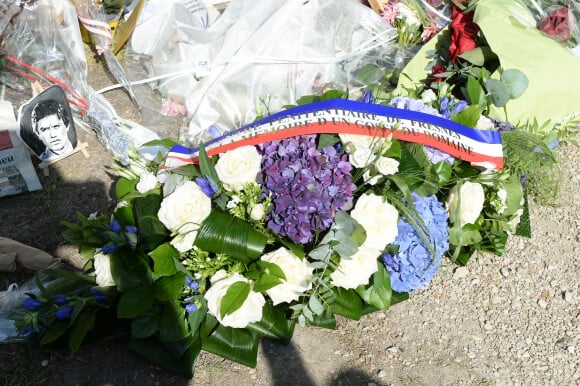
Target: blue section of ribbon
<point>484,136</point>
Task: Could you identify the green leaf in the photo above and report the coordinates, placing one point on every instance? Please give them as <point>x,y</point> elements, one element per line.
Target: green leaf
<point>82,325</point>
<point>195,319</point>
<point>333,94</point>
<point>378,293</point>
<point>236,344</point>
<point>135,302</point>
<point>151,231</point>
<point>475,92</point>
<point>326,320</point>
<point>155,352</point>
<point>315,305</point>
<point>468,116</point>
<point>164,257</point>
<point>223,233</point>
<point>498,92</point>
<point>165,142</point>
<point>53,332</point>
<point>146,324</point>
<point>125,186</point>
<point>478,56</point>
<point>347,303</point>
<point>458,236</point>
<point>274,324</point>
<point>442,173</point>
<point>515,81</point>
<point>173,324</point>
<point>207,168</point>
<point>325,140</point>
<point>235,296</point>
<point>265,282</point>
<point>169,287</point>
<point>129,270</point>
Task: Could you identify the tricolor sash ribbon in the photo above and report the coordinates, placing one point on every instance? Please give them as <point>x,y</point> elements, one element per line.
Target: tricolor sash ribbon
<point>479,147</point>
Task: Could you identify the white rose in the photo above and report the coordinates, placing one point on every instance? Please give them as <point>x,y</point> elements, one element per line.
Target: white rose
<point>249,312</point>
<point>371,180</point>
<point>184,209</point>
<point>183,242</point>
<point>428,96</point>
<point>355,142</point>
<point>387,166</point>
<point>257,212</point>
<point>466,206</point>
<point>361,157</point>
<point>484,123</point>
<point>357,270</point>
<point>238,167</point>
<point>147,182</point>
<point>378,218</point>
<point>102,266</point>
<point>298,275</point>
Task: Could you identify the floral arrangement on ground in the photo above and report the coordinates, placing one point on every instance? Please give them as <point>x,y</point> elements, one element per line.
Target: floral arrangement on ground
<point>331,207</point>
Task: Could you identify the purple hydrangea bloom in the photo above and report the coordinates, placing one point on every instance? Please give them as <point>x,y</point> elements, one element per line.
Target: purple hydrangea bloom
<point>307,186</point>
<point>413,266</point>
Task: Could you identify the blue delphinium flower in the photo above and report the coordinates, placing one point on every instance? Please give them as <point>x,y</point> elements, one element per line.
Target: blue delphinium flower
<point>61,300</point>
<point>191,307</point>
<point>207,186</point>
<point>110,247</point>
<point>98,295</point>
<point>27,331</point>
<point>193,284</point>
<point>413,266</point>
<point>307,186</point>
<point>115,226</point>
<point>31,304</point>
<point>368,97</point>
<point>131,234</point>
<point>63,313</point>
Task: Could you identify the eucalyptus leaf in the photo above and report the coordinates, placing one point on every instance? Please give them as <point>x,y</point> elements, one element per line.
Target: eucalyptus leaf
<point>172,182</point>
<point>315,305</point>
<point>235,296</point>
<point>498,92</point>
<point>515,81</point>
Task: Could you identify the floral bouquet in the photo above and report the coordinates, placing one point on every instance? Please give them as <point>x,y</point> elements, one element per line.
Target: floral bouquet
<point>330,208</point>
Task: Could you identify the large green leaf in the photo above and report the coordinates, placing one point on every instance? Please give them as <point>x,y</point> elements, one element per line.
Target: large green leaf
<point>236,344</point>
<point>152,233</point>
<point>125,186</point>
<point>169,287</point>
<point>155,352</point>
<point>82,325</point>
<point>347,303</point>
<point>274,324</point>
<point>235,296</point>
<point>135,302</point>
<point>378,293</point>
<point>163,259</point>
<point>129,269</point>
<point>207,168</point>
<point>173,323</point>
<point>146,324</point>
<point>223,233</point>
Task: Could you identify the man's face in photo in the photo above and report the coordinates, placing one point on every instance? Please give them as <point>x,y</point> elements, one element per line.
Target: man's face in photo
<point>53,133</point>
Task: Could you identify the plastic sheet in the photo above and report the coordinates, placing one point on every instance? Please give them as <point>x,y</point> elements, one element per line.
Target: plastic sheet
<point>277,51</point>
<point>44,45</point>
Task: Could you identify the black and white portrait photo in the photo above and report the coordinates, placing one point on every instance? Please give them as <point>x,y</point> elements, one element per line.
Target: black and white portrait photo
<point>47,126</point>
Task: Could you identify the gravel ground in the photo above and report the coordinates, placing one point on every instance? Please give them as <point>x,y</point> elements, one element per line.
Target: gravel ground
<point>510,320</point>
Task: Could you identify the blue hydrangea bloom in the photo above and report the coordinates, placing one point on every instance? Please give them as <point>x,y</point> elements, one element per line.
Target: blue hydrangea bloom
<point>435,155</point>
<point>413,266</point>
<point>63,313</point>
<point>307,186</point>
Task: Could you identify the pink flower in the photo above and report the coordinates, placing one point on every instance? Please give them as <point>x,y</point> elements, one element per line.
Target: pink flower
<point>429,31</point>
<point>390,13</point>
